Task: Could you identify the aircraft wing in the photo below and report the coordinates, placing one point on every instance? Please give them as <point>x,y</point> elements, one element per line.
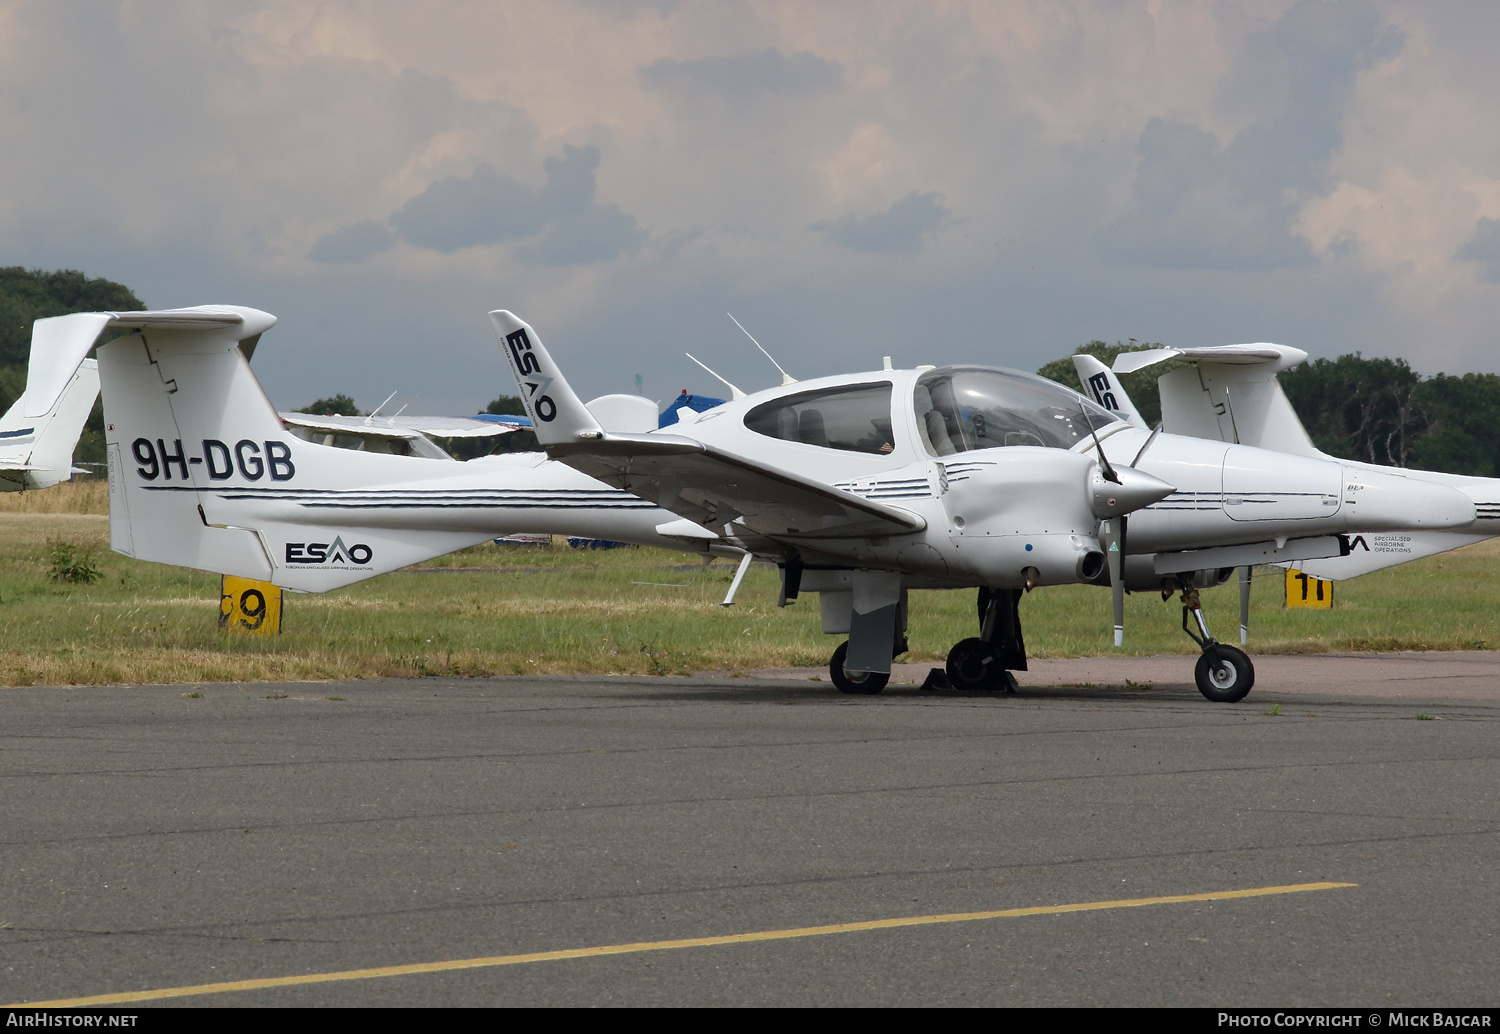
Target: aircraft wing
<point>703,483</point>
<point>401,426</point>
<point>712,488</point>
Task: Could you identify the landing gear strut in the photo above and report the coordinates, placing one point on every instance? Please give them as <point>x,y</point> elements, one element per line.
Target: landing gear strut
<point>1224,673</point>
<point>981,664</point>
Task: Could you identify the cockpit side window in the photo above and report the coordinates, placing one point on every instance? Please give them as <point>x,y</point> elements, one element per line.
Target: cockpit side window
<point>960,409</point>
<point>854,418</point>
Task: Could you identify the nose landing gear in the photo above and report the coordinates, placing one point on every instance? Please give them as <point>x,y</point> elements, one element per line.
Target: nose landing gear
<point>1224,673</point>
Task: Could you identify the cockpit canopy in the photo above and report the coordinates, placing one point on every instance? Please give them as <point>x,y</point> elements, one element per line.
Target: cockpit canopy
<point>957,409</point>
<point>962,408</point>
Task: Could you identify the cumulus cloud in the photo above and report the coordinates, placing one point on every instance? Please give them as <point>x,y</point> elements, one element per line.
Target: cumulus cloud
<point>1312,172</point>
<point>487,207</point>
<point>746,76</point>
<point>462,211</point>
<point>353,243</point>
<point>1198,203</point>
<point>1484,248</point>
<point>899,230</point>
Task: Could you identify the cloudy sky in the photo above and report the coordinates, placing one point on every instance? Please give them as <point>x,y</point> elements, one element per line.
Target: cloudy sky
<point>937,182</point>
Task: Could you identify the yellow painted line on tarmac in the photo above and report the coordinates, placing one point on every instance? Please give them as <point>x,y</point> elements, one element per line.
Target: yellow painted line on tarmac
<point>691,942</point>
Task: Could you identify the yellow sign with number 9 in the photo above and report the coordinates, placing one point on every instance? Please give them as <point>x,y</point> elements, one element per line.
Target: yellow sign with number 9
<point>246,605</point>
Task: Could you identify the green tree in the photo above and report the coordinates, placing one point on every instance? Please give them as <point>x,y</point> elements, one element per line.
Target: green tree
<point>1463,435</point>
<point>1140,386</point>
<point>27,295</point>
<point>336,405</point>
<point>1360,409</point>
<point>506,405</point>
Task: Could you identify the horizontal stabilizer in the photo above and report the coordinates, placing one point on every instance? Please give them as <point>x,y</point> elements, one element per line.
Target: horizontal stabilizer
<point>60,343</point>
<point>1277,357</point>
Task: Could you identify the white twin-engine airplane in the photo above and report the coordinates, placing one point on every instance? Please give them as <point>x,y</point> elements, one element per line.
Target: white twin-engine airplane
<point>40,430</point>
<point>861,487</point>
<point>864,486</point>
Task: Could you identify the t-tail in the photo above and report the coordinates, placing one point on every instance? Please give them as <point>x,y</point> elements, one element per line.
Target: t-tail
<point>204,474</point>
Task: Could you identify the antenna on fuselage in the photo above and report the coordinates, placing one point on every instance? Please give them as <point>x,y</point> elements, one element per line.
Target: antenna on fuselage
<point>378,408</point>
<point>734,393</point>
<point>786,378</point>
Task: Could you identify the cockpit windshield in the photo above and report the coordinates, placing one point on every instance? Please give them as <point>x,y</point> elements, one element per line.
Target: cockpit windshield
<point>962,408</point>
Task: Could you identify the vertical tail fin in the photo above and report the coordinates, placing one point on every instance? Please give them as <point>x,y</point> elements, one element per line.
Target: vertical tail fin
<point>558,416</point>
<point>1101,384</point>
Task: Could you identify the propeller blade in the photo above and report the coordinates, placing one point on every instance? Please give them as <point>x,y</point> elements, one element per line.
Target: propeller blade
<point>1244,605</point>
<point>1112,538</point>
<point>1105,468</point>
<point>1135,462</point>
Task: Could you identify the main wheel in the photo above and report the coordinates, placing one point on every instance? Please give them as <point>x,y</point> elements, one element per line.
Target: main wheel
<point>974,666</point>
<point>867,683</point>
<point>1228,680</point>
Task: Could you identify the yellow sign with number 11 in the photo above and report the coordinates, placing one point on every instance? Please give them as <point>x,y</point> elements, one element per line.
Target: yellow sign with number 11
<point>246,605</point>
<point>1303,590</point>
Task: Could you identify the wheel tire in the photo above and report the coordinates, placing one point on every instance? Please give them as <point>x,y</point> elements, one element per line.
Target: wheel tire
<point>974,667</point>
<point>864,683</point>
<point>1229,680</point>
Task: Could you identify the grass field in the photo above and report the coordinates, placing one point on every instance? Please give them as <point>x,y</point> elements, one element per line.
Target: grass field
<point>508,610</point>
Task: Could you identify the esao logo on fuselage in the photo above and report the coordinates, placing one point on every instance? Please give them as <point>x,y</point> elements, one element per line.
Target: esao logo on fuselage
<point>328,554</point>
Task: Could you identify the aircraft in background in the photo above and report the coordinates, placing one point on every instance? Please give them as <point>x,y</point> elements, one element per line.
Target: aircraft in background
<point>399,435</point>
<point>1229,395</point>
<point>40,431</point>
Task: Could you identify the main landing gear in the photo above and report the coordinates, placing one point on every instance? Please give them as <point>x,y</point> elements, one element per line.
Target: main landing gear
<point>982,663</point>
<point>1224,673</point>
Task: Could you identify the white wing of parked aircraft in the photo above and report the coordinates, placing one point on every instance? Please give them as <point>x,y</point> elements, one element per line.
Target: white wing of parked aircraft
<point>402,435</point>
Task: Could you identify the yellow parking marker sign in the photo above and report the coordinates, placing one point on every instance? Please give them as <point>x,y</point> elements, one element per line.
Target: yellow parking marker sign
<point>1303,590</point>
<point>246,605</point>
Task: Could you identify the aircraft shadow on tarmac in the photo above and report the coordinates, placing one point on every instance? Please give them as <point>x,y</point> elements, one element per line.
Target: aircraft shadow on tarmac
<point>784,691</point>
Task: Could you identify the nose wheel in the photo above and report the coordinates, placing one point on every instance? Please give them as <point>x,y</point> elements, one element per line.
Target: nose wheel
<point>1224,673</point>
